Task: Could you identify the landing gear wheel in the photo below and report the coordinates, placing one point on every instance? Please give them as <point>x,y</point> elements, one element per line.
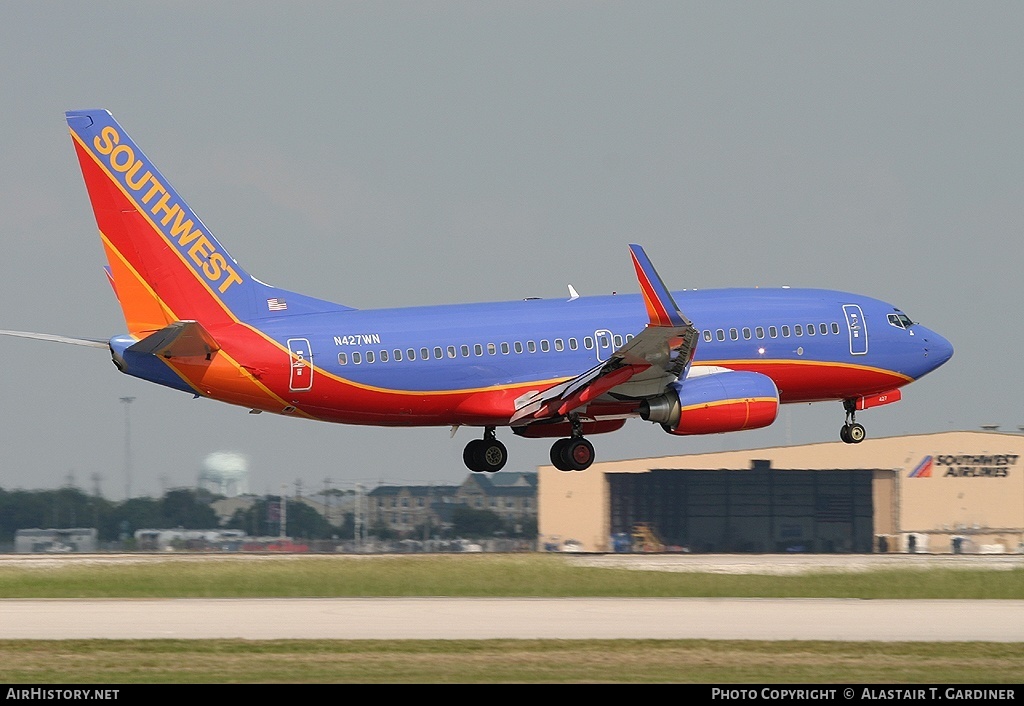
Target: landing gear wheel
<point>578,454</point>
<point>558,455</point>
<point>852,433</point>
<point>485,455</point>
<point>470,453</point>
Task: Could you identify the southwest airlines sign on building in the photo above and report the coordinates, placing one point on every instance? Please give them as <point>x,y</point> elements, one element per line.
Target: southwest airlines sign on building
<point>966,466</point>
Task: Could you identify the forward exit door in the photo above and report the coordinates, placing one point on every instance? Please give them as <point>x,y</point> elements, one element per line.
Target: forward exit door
<point>858,329</point>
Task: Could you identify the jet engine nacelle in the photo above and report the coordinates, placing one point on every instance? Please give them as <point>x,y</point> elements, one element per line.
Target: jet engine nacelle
<point>716,403</point>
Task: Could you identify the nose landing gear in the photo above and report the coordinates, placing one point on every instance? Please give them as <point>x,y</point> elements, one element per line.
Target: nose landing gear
<point>852,432</point>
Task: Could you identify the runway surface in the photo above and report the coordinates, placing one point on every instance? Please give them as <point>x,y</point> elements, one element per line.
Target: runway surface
<point>484,618</point>
<point>525,618</point>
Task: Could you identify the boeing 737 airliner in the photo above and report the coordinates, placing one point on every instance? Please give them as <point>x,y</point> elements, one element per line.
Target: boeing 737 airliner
<point>564,369</point>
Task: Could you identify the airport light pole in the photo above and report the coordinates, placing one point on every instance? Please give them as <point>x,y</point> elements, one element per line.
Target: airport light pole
<point>359,519</point>
<point>284,510</point>
<point>127,401</point>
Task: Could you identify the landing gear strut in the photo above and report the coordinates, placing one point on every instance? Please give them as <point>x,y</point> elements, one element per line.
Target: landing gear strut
<point>487,455</point>
<point>574,453</point>
<point>852,432</point>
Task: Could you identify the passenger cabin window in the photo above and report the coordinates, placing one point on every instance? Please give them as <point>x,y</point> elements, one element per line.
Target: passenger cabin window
<point>720,334</point>
<point>398,354</point>
<point>383,356</point>
<point>464,350</point>
<point>798,330</point>
<point>759,331</point>
<point>835,327</point>
<point>369,356</point>
<point>559,344</point>
<point>504,348</point>
<point>707,335</point>
<point>518,347</point>
<point>531,346</point>
<point>492,349</point>
<point>588,343</point>
<point>734,335</point>
<point>785,331</point>
<point>810,329</point>
<point>356,359</point>
<point>573,345</point>
<point>424,354</point>
<point>478,350</point>
<point>618,341</point>
<point>823,328</point>
<point>773,332</point>
<point>451,351</point>
<point>746,333</point>
<point>438,353</point>
<point>545,346</point>
<point>342,359</point>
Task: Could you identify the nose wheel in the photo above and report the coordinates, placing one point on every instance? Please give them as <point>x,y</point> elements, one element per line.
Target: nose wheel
<point>852,432</point>
<point>486,455</point>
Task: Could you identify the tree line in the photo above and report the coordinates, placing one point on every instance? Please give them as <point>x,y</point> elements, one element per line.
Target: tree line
<point>189,508</point>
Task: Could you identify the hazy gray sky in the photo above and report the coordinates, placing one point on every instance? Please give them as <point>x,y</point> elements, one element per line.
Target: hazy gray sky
<point>392,153</point>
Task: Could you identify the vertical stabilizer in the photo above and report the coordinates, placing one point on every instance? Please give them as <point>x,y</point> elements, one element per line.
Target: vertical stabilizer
<point>165,264</point>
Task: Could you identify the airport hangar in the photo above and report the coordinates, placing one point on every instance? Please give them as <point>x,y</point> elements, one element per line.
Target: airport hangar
<point>940,493</point>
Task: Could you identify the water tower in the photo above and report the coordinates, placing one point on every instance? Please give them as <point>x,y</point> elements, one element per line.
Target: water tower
<point>225,473</point>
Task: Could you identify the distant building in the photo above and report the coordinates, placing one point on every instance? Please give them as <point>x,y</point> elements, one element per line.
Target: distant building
<point>225,508</point>
<point>55,541</point>
<point>511,495</point>
<point>952,492</point>
<point>405,508</point>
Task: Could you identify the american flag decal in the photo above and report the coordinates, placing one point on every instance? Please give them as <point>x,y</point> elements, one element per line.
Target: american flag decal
<point>276,304</point>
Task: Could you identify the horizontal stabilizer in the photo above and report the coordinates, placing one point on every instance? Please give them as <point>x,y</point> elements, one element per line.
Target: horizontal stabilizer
<point>91,342</point>
<point>182,339</point>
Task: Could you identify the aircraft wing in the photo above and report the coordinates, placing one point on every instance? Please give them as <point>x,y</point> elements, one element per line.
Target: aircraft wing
<point>653,358</point>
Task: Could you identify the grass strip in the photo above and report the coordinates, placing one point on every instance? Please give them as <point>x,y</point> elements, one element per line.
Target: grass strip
<point>505,661</point>
<point>540,576</point>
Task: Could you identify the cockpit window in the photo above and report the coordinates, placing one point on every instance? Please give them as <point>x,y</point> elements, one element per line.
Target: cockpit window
<point>900,320</point>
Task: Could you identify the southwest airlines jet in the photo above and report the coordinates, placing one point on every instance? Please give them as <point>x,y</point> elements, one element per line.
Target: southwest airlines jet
<point>563,368</point>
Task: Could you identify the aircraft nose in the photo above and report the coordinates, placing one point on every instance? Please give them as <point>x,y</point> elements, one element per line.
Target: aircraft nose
<point>937,350</point>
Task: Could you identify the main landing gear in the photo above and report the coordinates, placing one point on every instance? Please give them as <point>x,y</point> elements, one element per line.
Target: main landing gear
<point>486,455</point>
<point>852,432</point>
<point>574,453</point>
